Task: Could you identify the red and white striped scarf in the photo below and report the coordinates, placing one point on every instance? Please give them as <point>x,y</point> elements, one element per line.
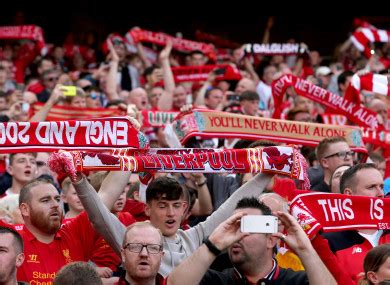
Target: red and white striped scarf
<point>201,73</point>
<point>30,32</point>
<point>376,83</point>
<point>362,38</point>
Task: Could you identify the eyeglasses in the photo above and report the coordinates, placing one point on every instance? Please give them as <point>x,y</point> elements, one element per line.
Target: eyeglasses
<point>341,154</point>
<point>138,247</point>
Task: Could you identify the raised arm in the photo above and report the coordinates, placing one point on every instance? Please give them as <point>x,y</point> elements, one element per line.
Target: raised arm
<point>297,240</point>
<point>55,97</point>
<point>253,188</point>
<point>103,221</point>
<point>224,235</point>
<point>111,89</point>
<point>165,101</point>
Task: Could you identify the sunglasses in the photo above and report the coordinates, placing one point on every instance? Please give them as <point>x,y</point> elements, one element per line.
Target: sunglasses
<point>93,96</point>
<point>341,154</point>
<point>52,79</point>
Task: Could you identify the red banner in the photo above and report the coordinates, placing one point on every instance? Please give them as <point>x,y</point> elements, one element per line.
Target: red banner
<point>358,114</point>
<point>339,212</point>
<point>29,32</point>
<point>201,73</point>
<point>98,135</point>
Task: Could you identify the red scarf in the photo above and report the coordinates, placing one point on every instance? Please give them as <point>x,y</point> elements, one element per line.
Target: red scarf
<point>29,32</point>
<point>275,160</point>
<point>179,44</point>
<point>149,118</point>
<point>216,40</point>
<point>211,124</point>
<point>96,135</point>
<point>339,212</point>
<point>358,114</point>
<point>376,83</point>
<point>362,38</point>
<point>61,113</point>
<point>201,73</point>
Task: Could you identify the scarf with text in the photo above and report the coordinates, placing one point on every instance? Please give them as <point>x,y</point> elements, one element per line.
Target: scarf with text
<point>274,49</point>
<point>376,83</point>
<point>201,73</point>
<point>96,135</point>
<point>338,212</point>
<point>29,32</point>
<point>212,124</point>
<point>360,115</point>
<point>61,113</point>
<point>274,160</point>
<point>149,118</point>
<point>379,138</point>
<point>362,38</point>
<point>179,44</point>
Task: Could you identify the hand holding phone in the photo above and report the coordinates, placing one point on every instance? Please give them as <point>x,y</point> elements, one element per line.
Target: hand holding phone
<point>69,90</point>
<point>259,224</point>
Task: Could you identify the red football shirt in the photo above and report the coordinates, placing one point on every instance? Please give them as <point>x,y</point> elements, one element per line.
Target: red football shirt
<point>104,255</point>
<point>73,242</point>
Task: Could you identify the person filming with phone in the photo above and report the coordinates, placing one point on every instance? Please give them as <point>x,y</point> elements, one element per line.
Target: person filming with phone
<point>250,246</point>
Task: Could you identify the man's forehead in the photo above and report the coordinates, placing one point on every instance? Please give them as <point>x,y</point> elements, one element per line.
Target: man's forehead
<point>143,234</point>
<point>44,189</point>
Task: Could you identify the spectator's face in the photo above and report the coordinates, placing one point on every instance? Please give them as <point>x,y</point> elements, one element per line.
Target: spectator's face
<point>369,183</point>
<point>335,182</point>
<point>252,248</point>
<point>23,168</point>
<point>179,97</point>
<point>139,98</point>
<point>41,162</point>
<point>143,265</point>
<point>45,65</point>
<point>197,59</point>
<point>120,50</point>
<point>93,100</point>
<point>50,80</point>
<point>382,274</point>
<point>3,104</point>
<point>154,96</point>
<point>9,258</point>
<point>43,211</point>
<point>166,215</point>
<point>70,197</point>
<point>215,99</point>
<point>9,68</point>
<point>304,103</point>
<point>245,84</point>
<point>79,102</point>
<point>120,203</point>
<point>250,107</point>
<point>333,161</point>
<point>269,73</point>
<point>303,117</point>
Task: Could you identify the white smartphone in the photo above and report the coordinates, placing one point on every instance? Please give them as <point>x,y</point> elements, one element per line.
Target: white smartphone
<point>259,224</point>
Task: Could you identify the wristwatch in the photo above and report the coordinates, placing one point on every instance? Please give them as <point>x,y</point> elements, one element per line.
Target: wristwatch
<point>213,249</point>
<point>202,183</point>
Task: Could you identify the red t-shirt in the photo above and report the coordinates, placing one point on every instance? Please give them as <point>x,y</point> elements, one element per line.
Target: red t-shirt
<point>136,209</point>
<point>73,242</point>
<point>103,254</point>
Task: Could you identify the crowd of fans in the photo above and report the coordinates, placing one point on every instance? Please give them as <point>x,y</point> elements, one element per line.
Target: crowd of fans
<point>96,229</point>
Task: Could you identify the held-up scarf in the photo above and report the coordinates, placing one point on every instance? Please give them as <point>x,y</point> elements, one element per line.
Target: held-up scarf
<point>376,83</point>
<point>179,44</point>
<point>96,135</point>
<point>377,138</point>
<point>60,113</point>
<point>362,38</point>
<point>338,212</point>
<point>29,32</point>
<point>360,115</point>
<point>274,49</point>
<point>211,124</point>
<point>275,160</point>
<point>149,118</point>
<point>201,73</point>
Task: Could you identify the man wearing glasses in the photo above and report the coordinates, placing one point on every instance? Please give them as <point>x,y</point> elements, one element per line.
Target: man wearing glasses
<point>331,153</point>
<point>142,253</point>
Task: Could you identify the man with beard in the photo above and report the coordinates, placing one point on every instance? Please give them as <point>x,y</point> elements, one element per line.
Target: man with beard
<point>48,245</point>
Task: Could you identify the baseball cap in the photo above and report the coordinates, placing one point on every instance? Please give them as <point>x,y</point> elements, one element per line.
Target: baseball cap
<point>323,70</point>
